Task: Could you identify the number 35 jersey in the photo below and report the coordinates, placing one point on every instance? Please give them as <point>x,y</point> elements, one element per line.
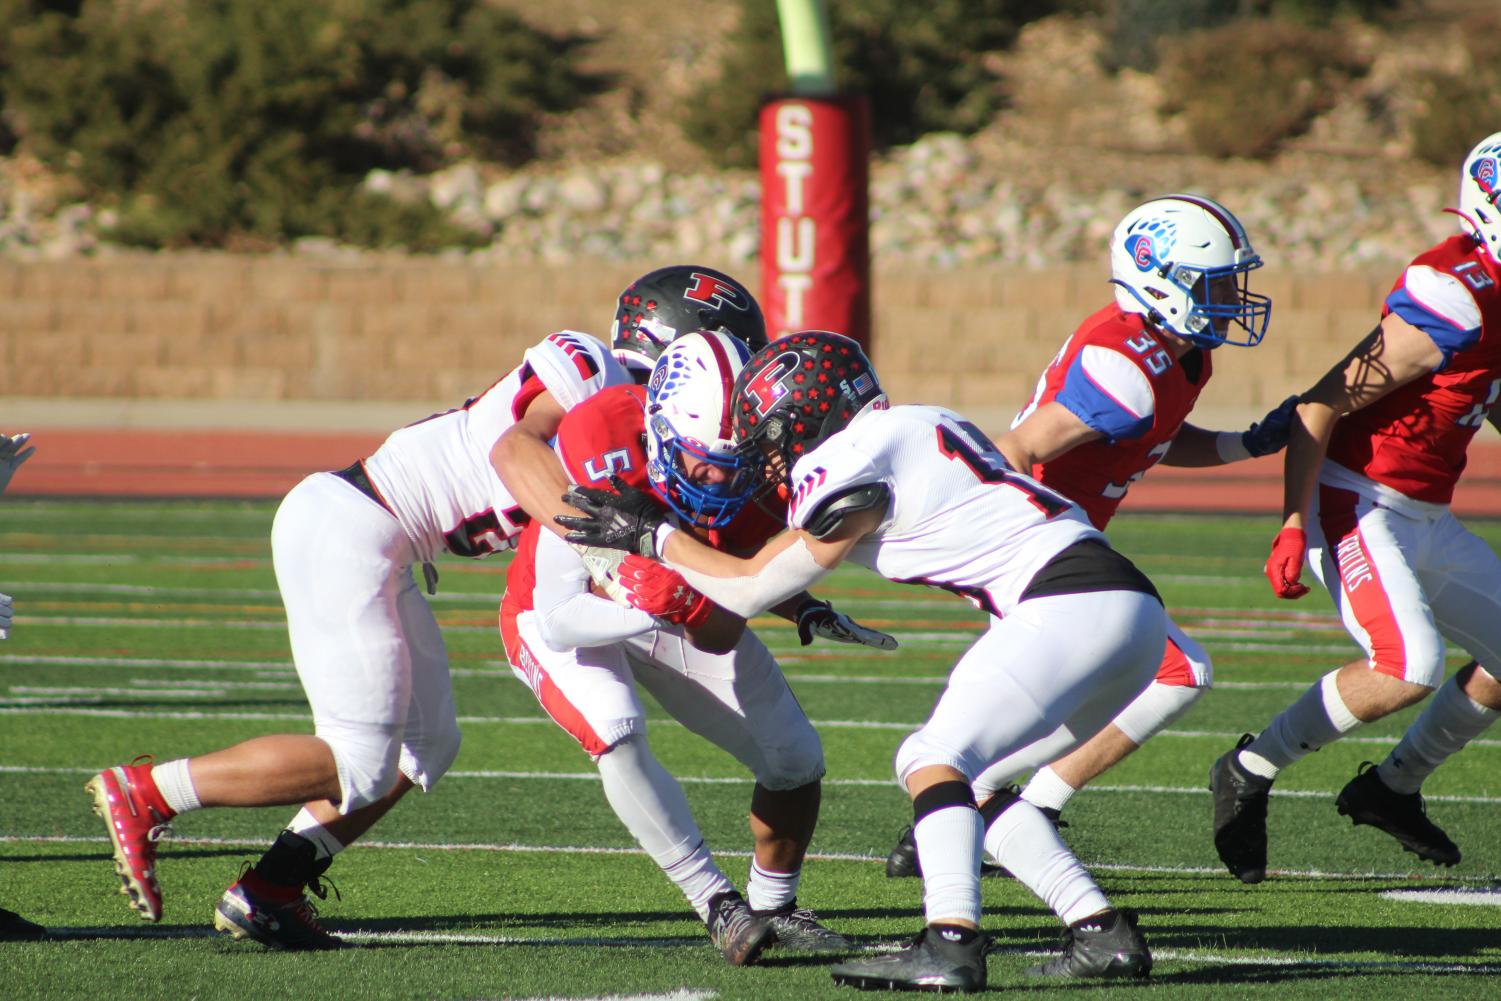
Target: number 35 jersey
<point>959,517</point>
<point>1415,438</point>
<point>1122,379</point>
<point>435,475</point>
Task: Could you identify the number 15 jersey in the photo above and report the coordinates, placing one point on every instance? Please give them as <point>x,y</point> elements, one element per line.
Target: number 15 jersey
<point>959,518</point>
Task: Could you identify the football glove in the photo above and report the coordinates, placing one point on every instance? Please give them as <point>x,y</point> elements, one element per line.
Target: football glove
<point>1270,434</point>
<point>660,591</point>
<point>11,456</point>
<point>626,518</point>
<point>5,614</point>
<point>1285,565</point>
<point>818,618</point>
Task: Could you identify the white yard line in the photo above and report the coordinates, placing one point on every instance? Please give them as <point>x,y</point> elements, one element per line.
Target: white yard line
<point>525,849</point>
<point>548,776</point>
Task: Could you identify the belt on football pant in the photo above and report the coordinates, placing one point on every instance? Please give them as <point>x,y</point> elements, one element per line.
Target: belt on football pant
<point>356,477</point>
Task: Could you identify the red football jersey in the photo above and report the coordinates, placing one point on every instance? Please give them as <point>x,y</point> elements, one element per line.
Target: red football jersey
<point>1415,438</point>
<point>606,436</point>
<point>1120,377</point>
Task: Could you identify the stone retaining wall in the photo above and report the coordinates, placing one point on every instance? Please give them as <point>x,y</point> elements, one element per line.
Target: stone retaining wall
<point>366,328</point>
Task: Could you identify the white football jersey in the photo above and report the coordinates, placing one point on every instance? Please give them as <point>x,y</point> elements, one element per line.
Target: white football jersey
<point>435,475</point>
<point>960,517</point>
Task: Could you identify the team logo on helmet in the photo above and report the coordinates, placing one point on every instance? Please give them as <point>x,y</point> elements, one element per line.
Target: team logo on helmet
<point>1484,171</point>
<point>765,388</point>
<point>714,291</point>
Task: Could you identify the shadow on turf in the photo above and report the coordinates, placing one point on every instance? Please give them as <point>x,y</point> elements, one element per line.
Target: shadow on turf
<point>104,856</point>
<point>1405,943</point>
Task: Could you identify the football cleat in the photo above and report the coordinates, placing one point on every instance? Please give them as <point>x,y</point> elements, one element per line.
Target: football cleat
<point>1107,945</point>
<point>1240,815</point>
<point>736,931</point>
<point>13,926</point>
<point>127,799</point>
<point>798,928</point>
<point>278,917</point>
<point>941,958</point>
<point>1365,799</point>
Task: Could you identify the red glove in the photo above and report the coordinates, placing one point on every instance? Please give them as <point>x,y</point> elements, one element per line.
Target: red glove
<point>1285,565</point>
<point>659,590</point>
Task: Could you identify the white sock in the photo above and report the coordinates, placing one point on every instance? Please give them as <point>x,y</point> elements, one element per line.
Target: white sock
<point>1157,707</point>
<point>770,891</point>
<point>948,842</point>
<point>176,785</point>
<point>1319,717</point>
<point>1451,721</point>
<point>1047,790</point>
<point>651,805</point>
<point>306,825</point>
<point>1024,841</point>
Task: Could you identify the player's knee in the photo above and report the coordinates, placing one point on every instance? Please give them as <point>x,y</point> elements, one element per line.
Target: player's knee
<point>368,757</point>
<point>1155,709</point>
<point>796,761</point>
<point>920,751</point>
<point>1418,660</point>
<point>427,760</point>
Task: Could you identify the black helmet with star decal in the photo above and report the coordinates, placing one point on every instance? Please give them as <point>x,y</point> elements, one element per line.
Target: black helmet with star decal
<point>797,392</point>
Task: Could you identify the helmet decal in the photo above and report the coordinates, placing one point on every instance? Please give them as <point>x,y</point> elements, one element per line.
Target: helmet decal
<point>1483,170</point>
<point>716,291</point>
<point>1181,262</point>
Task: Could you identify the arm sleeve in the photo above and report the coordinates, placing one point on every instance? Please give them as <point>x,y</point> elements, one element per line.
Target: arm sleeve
<point>568,615</point>
<point>792,570</point>
<point>1109,393</point>
<point>1440,305</point>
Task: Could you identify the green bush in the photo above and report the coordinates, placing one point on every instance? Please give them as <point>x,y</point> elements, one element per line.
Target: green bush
<point>1249,86</point>
<point>208,121</point>
<point>1141,32</point>
<point>923,68</point>
<point>1460,109</point>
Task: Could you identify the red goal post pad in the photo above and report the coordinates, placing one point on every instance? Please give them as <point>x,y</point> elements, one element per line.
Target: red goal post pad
<point>815,215</point>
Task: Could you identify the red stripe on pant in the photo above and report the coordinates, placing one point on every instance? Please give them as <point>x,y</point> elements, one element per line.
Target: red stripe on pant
<point>1175,669</point>
<point>1359,580</point>
<point>552,699</point>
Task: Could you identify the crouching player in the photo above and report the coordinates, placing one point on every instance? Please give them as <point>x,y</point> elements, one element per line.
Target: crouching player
<point>583,655</point>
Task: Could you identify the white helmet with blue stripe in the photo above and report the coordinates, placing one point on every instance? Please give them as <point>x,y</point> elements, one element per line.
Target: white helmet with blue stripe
<point>690,456</point>
<point>1181,261</point>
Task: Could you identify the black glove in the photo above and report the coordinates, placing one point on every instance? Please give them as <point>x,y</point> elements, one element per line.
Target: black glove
<point>818,618</point>
<point>1270,434</point>
<point>626,518</point>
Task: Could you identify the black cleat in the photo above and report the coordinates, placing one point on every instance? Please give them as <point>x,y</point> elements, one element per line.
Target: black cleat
<point>1365,799</point>
<point>1240,815</point>
<point>1109,945</point>
<point>253,909</point>
<point>903,861</point>
<point>737,932</point>
<point>941,958</point>
<point>13,926</point>
<point>798,928</point>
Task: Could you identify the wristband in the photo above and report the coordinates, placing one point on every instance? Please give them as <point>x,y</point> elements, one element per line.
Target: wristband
<point>1231,446</point>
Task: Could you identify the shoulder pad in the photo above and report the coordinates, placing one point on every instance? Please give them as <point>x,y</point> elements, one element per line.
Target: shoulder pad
<point>832,510</point>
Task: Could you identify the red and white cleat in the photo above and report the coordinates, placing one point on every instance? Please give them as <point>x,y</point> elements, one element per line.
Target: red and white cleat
<point>137,817</point>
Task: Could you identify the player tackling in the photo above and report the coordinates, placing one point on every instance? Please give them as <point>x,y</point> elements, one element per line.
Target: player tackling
<point>920,495</point>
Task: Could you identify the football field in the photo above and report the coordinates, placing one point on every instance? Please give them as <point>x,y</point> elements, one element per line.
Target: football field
<point>156,628</point>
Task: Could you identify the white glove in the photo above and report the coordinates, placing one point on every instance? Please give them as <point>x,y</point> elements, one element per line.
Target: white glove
<point>818,618</point>
<point>5,614</point>
<point>11,456</point>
